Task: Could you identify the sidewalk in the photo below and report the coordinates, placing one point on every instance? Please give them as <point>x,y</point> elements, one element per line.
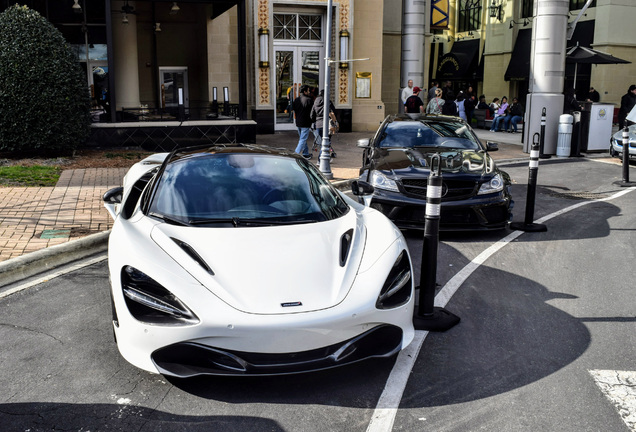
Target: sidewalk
<point>36,218</point>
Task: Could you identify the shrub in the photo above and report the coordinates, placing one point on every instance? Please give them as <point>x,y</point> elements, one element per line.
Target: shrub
<point>44,99</point>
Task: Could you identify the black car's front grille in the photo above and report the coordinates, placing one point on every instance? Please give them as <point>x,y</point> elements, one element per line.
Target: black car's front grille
<point>451,189</point>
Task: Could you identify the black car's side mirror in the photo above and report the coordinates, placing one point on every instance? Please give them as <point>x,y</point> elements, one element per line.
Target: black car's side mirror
<point>364,143</point>
<point>361,188</point>
<point>492,146</point>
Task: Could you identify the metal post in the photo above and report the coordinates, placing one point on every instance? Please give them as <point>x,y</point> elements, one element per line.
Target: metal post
<point>626,182</point>
<point>428,316</point>
<point>528,225</point>
<point>325,156</point>
<point>542,155</point>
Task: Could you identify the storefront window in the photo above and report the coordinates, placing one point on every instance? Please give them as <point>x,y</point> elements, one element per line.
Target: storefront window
<point>527,8</point>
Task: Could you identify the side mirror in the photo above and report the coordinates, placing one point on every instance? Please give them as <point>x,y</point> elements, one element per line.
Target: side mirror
<point>113,196</point>
<point>364,143</point>
<point>361,188</point>
<point>492,146</point>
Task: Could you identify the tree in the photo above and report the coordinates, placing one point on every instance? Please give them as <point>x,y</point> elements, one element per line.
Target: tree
<point>44,99</point>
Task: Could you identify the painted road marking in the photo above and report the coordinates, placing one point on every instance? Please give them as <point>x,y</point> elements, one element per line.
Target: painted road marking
<point>620,388</point>
<point>384,415</point>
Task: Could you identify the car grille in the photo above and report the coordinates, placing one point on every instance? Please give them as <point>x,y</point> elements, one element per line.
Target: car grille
<point>451,189</point>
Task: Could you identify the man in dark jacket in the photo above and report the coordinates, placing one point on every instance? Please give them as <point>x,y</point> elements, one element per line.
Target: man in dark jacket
<point>414,104</point>
<point>302,111</point>
<point>627,103</point>
<point>515,115</point>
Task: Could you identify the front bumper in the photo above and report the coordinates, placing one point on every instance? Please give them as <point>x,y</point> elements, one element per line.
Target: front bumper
<point>617,146</point>
<point>187,359</point>
<point>481,212</point>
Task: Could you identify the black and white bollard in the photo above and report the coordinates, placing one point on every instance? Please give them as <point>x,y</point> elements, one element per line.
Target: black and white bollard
<point>626,182</point>
<point>542,155</point>
<point>428,316</point>
<point>528,224</point>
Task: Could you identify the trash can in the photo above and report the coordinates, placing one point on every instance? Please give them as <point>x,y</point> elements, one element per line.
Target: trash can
<point>565,135</point>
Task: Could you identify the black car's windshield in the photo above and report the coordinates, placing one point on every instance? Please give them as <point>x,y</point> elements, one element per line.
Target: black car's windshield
<point>244,189</point>
<point>436,134</point>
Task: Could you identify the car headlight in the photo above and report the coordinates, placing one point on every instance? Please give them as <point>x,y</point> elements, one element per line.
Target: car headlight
<point>396,290</point>
<point>150,302</point>
<point>381,181</point>
<point>496,184</point>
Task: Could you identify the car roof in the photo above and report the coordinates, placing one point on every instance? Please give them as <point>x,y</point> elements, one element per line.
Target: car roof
<point>421,117</point>
<point>231,148</point>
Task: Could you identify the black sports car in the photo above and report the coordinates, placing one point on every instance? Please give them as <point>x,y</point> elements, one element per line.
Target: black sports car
<point>397,160</point>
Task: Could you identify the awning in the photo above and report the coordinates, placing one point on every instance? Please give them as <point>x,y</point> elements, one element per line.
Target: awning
<point>460,62</point>
<point>519,66</point>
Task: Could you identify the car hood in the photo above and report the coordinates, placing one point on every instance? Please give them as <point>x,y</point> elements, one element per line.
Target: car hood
<point>408,161</point>
<point>270,270</point>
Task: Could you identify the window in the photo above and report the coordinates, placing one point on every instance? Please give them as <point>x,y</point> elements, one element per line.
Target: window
<point>297,27</point>
<point>469,15</point>
<point>527,8</point>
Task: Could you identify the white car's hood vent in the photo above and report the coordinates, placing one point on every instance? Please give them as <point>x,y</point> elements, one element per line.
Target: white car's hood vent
<point>270,270</point>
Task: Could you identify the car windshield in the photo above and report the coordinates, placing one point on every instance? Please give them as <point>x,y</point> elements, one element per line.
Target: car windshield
<point>437,134</point>
<point>243,189</point>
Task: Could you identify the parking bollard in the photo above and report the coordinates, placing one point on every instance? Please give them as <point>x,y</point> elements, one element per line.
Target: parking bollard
<point>626,182</point>
<point>428,316</point>
<point>542,155</point>
<point>533,170</point>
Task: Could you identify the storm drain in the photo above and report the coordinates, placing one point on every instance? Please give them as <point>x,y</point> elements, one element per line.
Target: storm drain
<point>66,233</point>
<point>577,195</point>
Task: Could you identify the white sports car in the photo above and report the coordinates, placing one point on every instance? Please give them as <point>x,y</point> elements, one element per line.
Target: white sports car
<point>242,259</point>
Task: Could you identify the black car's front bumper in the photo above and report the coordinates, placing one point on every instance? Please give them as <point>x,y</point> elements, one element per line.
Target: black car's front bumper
<point>479,212</point>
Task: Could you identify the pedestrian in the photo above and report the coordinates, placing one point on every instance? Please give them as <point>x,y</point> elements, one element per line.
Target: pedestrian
<point>593,95</point>
<point>436,104</point>
<point>432,92</point>
<point>627,103</point>
<point>450,107</point>
<point>447,89</point>
<point>461,107</point>
<point>500,114</point>
<point>482,103</point>
<point>515,115</point>
<point>407,91</point>
<point>414,104</point>
<point>318,111</point>
<point>302,111</point>
<point>494,106</point>
<point>470,101</point>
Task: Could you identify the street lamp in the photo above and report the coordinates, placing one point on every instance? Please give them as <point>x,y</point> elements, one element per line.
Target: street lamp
<point>263,40</point>
<point>495,9</point>
<point>344,48</point>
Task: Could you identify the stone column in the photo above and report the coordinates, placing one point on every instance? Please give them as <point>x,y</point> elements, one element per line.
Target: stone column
<point>125,58</point>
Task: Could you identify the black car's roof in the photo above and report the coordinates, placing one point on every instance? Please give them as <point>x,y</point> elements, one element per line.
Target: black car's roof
<point>233,148</point>
<point>421,117</point>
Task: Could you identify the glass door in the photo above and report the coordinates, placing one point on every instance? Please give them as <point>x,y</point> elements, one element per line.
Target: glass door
<point>171,80</point>
<point>295,66</point>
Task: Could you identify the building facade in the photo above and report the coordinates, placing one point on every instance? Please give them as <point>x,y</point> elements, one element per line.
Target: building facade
<point>214,63</point>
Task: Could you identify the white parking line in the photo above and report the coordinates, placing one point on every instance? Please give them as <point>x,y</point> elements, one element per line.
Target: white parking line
<point>53,275</point>
<point>619,388</point>
<point>389,402</point>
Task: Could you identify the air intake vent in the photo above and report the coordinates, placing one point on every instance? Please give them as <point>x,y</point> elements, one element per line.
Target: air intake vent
<point>345,246</point>
<point>192,253</point>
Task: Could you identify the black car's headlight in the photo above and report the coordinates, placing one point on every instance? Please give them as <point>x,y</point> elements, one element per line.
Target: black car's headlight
<point>397,287</point>
<point>150,302</point>
<point>496,184</point>
<point>381,181</point>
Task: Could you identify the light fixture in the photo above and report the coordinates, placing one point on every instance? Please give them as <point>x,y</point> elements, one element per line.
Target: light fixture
<point>495,9</point>
<point>124,18</point>
<point>76,7</point>
<point>513,22</point>
<point>174,9</point>
<point>263,40</point>
<point>344,49</point>
<point>157,27</point>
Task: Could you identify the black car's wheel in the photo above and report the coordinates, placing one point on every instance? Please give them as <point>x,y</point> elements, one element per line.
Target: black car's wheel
<point>613,152</point>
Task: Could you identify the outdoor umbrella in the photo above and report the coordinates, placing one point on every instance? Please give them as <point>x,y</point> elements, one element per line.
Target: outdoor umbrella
<point>585,55</point>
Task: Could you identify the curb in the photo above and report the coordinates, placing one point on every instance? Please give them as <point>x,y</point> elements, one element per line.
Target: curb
<point>31,264</point>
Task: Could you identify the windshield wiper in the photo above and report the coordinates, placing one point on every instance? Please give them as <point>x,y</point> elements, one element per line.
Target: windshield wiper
<point>247,222</point>
<point>168,219</point>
